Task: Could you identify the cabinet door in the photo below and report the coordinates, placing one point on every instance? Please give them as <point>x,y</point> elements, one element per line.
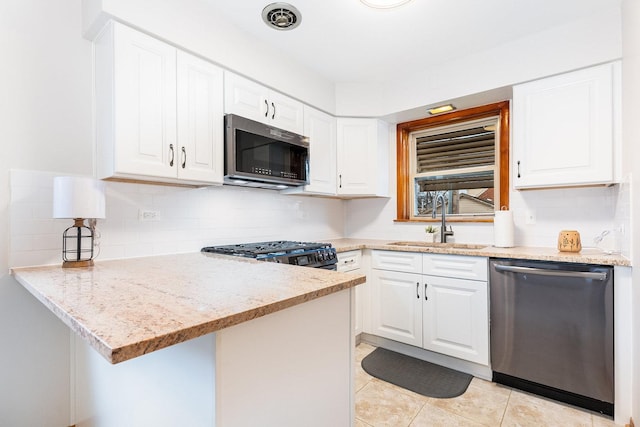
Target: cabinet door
<point>249,99</point>
<point>362,150</point>
<point>456,320</point>
<point>563,129</point>
<point>145,104</point>
<point>200,120</point>
<point>286,113</point>
<point>245,98</point>
<point>396,306</point>
<point>321,130</point>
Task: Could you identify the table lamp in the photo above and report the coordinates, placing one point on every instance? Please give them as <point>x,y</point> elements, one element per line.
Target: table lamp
<point>78,198</point>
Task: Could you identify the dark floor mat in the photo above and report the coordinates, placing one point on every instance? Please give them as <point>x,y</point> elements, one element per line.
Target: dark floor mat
<point>416,375</point>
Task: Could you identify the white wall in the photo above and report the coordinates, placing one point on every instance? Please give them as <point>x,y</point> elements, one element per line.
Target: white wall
<point>46,122</point>
<point>194,26</point>
<point>483,76</point>
<point>189,218</point>
<point>45,117</point>
<point>631,138</point>
<point>588,210</point>
<point>559,49</point>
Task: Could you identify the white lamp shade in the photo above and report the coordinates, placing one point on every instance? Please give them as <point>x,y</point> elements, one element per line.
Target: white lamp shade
<point>78,197</point>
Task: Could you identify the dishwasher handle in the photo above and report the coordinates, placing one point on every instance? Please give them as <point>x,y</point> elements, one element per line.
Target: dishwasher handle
<point>556,273</point>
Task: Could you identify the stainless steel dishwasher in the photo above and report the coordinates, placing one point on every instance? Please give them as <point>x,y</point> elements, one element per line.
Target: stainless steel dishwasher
<point>552,330</point>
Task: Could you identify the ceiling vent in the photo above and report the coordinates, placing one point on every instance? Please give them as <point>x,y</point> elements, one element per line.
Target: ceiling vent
<point>281,16</point>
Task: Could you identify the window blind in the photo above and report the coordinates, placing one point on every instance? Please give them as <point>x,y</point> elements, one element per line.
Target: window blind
<point>465,181</point>
<point>455,150</point>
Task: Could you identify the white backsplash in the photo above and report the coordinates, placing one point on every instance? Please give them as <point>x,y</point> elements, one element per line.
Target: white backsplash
<point>189,218</point>
<point>589,210</point>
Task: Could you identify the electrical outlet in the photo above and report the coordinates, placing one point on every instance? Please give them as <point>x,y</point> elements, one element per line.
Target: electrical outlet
<point>530,217</point>
<point>147,215</point>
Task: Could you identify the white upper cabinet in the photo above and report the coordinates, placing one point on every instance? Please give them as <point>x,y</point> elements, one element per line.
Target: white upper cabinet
<point>362,157</point>
<point>249,99</point>
<point>564,129</point>
<point>200,120</point>
<point>320,128</point>
<point>135,78</point>
<point>158,111</point>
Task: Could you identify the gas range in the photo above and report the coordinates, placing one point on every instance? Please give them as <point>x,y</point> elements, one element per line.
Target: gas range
<point>306,254</point>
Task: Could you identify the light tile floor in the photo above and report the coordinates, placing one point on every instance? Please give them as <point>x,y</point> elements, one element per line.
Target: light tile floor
<point>380,404</point>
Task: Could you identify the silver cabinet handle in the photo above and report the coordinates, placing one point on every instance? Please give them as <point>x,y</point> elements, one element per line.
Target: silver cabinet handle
<point>172,154</point>
<point>556,273</point>
<point>426,298</point>
<point>518,168</point>
<point>418,290</point>
<point>340,184</point>
<point>184,157</point>
<point>273,115</point>
<point>266,113</point>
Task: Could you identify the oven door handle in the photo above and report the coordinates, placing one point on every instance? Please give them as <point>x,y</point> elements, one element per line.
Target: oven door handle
<point>556,273</point>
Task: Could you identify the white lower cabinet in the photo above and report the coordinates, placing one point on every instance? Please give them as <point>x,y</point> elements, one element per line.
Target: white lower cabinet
<point>445,311</point>
<point>455,318</point>
<point>351,262</point>
<point>396,306</point>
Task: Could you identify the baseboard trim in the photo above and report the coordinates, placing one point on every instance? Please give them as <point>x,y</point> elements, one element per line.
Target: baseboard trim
<point>474,369</point>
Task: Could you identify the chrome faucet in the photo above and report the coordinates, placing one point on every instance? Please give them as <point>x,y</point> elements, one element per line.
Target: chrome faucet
<point>443,227</point>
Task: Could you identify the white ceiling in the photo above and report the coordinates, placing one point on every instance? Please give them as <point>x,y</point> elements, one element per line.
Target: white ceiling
<point>346,41</point>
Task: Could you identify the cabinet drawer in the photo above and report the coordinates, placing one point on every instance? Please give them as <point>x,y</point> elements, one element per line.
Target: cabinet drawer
<point>348,261</point>
<point>456,266</point>
<point>408,262</point>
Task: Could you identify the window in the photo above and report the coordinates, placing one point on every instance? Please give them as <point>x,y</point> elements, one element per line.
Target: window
<point>463,155</point>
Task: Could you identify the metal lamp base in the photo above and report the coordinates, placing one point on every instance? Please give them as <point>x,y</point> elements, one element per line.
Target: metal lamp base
<point>77,245</point>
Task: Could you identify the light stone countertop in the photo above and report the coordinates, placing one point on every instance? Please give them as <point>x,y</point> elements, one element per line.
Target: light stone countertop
<point>587,255</point>
<point>129,307</point>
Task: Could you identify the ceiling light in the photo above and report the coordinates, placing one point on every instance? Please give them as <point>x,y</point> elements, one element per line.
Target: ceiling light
<point>281,16</point>
<point>441,109</point>
<point>384,4</point>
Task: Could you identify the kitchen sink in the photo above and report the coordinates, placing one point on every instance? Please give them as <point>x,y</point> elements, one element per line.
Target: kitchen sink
<point>440,245</point>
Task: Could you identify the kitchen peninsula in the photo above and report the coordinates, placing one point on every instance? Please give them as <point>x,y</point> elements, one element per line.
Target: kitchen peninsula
<point>233,341</point>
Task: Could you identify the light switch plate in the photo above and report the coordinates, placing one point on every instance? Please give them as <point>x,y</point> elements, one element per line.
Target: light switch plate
<point>148,215</point>
<point>530,217</point>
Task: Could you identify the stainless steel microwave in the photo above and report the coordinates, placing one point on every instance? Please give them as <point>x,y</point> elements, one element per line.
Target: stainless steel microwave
<point>260,155</point>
